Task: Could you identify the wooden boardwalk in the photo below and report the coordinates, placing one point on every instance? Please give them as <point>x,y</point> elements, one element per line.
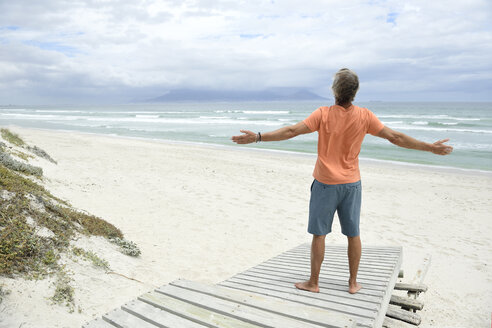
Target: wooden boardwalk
<point>264,296</point>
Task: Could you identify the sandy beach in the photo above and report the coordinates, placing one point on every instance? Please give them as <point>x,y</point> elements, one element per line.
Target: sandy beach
<point>205,213</point>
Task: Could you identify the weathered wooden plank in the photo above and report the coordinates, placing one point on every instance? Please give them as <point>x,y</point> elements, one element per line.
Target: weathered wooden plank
<point>340,276</point>
<point>343,252</point>
<point>370,270</point>
<point>411,287</point>
<point>329,283</point>
<point>301,296</point>
<point>157,316</point>
<point>98,323</point>
<point>122,319</point>
<point>329,267</point>
<point>324,277</point>
<point>325,271</point>
<point>394,323</point>
<point>395,249</point>
<point>403,315</point>
<point>365,263</point>
<point>381,260</point>
<point>341,259</point>
<point>298,311</point>
<point>419,278</point>
<point>337,290</point>
<point>192,312</point>
<point>308,244</point>
<point>367,249</point>
<point>330,297</point>
<point>326,268</point>
<point>361,320</point>
<point>232,309</point>
<point>334,254</point>
<point>386,298</point>
<point>324,283</point>
<point>407,302</point>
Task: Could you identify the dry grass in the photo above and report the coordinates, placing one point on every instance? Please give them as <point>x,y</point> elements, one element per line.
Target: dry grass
<point>12,137</point>
<point>26,208</point>
<point>21,249</point>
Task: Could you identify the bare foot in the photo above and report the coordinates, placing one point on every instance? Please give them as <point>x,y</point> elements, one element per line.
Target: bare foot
<point>354,288</point>
<point>307,285</point>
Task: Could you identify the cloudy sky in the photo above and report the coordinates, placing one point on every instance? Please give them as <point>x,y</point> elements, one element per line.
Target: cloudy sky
<point>61,51</point>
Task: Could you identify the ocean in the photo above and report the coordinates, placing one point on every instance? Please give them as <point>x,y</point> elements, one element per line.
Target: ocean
<point>467,125</point>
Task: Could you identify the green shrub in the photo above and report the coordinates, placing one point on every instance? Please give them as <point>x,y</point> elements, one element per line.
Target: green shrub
<point>41,153</point>
<point>13,182</point>
<point>64,292</point>
<point>92,224</point>
<point>19,166</point>
<point>126,246</point>
<point>50,258</point>
<point>18,246</point>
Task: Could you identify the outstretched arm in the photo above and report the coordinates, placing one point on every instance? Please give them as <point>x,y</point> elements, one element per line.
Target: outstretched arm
<point>402,140</point>
<point>284,133</point>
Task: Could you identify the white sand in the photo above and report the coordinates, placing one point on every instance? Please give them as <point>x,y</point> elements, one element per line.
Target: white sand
<point>206,213</point>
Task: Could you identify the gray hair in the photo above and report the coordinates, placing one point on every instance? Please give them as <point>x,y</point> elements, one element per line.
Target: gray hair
<point>345,86</point>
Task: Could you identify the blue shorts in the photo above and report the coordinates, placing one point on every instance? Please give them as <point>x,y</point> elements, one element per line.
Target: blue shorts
<point>345,199</point>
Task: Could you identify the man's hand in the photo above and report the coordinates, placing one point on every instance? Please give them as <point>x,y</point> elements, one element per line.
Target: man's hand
<point>246,138</point>
<point>440,148</point>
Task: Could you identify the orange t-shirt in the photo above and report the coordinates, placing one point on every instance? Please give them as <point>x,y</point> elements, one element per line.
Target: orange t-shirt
<point>340,135</point>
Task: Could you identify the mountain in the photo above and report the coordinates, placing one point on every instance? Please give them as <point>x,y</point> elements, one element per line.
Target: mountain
<point>274,94</point>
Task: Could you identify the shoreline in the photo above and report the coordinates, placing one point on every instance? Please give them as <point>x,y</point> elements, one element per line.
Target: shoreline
<point>440,168</point>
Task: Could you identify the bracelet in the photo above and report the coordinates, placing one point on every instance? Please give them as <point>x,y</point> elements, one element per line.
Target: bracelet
<point>258,137</point>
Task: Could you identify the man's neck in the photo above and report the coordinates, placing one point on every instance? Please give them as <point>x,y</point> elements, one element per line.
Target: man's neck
<point>347,105</point>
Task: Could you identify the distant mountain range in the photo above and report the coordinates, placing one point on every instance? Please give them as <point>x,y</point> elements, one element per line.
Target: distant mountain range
<point>274,94</point>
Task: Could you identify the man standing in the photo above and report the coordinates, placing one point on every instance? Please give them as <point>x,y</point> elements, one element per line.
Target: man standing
<point>336,186</point>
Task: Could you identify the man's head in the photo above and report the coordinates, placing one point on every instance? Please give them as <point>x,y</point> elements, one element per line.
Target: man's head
<point>345,86</point>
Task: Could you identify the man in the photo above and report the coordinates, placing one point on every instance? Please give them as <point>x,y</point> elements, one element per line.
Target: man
<point>336,186</point>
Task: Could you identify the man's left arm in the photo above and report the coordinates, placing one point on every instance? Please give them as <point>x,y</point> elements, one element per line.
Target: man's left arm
<point>405,141</point>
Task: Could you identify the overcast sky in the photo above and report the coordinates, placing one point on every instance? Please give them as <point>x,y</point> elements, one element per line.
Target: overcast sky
<point>58,51</point>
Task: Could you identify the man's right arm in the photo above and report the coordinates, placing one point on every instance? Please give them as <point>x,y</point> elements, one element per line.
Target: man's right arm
<point>402,140</point>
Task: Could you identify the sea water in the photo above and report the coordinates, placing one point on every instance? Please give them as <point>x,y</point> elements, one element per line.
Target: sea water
<point>467,125</point>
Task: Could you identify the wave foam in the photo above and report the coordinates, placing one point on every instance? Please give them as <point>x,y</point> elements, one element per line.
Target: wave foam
<point>147,116</point>
<point>431,117</point>
<point>269,112</point>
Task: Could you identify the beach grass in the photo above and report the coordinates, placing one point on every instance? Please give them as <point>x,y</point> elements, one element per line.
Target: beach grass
<point>11,137</point>
<point>3,292</point>
<point>64,292</point>
<point>37,227</point>
<point>6,153</point>
<point>19,244</point>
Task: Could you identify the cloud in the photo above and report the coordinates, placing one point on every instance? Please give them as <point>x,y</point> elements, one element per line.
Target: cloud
<point>120,50</point>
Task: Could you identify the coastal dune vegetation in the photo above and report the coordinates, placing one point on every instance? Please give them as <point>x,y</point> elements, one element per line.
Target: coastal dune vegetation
<point>38,230</point>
